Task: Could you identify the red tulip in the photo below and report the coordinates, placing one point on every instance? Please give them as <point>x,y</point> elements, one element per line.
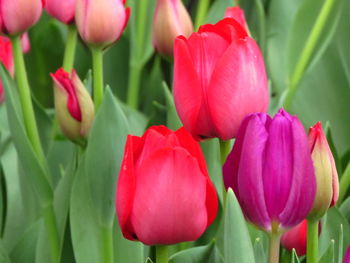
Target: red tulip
<point>219,78</point>
<point>238,14</point>
<point>164,194</point>
<point>171,19</point>
<point>64,11</point>
<point>6,59</point>
<point>101,22</point>
<point>17,16</point>
<point>296,238</point>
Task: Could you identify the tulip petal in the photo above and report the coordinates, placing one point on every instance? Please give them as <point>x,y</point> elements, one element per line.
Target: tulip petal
<point>238,87</point>
<point>249,171</point>
<point>126,188</point>
<point>303,187</point>
<point>168,216</point>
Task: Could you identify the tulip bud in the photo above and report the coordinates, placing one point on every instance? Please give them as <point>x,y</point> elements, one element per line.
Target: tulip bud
<point>171,19</point>
<point>101,22</point>
<point>270,170</point>
<point>74,107</point>
<point>326,173</point>
<point>219,78</point>
<point>347,256</point>
<point>296,238</point>
<point>164,194</point>
<point>238,14</point>
<point>63,11</point>
<point>17,16</point>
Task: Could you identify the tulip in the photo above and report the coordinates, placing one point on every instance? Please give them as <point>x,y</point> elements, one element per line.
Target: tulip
<point>171,19</point>
<point>219,78</point>
<point>17,16</point>
<point>238,14</point>
<point>101,22</point>
<point>270,170</point>
<point>296,238</point>
<point>6,59</point>
<point>25,43</point>
<point>74,107</point>
<point>327,192</point>
<point>347,256</point>
<point>64,11</point>
<point>164,194</point>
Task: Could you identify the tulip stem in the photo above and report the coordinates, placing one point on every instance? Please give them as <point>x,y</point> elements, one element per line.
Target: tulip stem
<point>225,148</point>
<point>307,52</point>
<point>134,84</point>
<point>202,10</point>
<point>312,241</point>
<point>52,232</point>
<point>162,254</point>
<point>107,245</point>
<point>25,98</point>
<point>97,68</point>
<point>69,53</point>
<point>274,252</point>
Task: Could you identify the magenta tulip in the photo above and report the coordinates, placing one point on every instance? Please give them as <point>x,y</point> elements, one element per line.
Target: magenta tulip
<point>271,172</point>
<point>101,22</point>
<point>164,194</point>
<point>63,10</point>
<point>17,16</point>
<point>219,78</point>
<point>347,256</point>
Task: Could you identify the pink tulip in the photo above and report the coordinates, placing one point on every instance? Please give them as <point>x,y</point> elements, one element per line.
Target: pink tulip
<point>73,104</point>
<point>171,19</point>
<point>326,173</point>
<point>347,256</point>
<point>164,194</point>
<point>238,14</point>
<point>17,16</point>
<point>219,78</point>
<point>63,10</point>
<point>25,42</point>
<point>101,22</point>
<point>6,59</point>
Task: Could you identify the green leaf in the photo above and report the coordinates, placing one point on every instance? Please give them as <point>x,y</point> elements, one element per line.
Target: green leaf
<point>330,140</point>
<point>259,251</point>
<point>104,154</point>
<point>237,243</point>
<point>173,121</point>
<point>34,169</point>
<point>345,209</point>
<point>148,260</point>
<point>328,256</point>
<point>217,11</point>
<point>295,258</point>
<point>4,258</point>
<point>203,254</point>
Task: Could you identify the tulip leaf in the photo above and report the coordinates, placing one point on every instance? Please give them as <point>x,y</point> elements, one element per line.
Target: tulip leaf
<point>148,260</point>
<point>217,11</point>
<point>35,170</point>
<point>104,154</point>
<point>330,140</point>
<point>259,251</point>
<point>328,255</point>
<point>173,120</point>
<point>295,258</point>
<point>4,257</point>
<point>303,24</point>
<point>345,209</point>
<point>202,254</point>
<point>237,243</point>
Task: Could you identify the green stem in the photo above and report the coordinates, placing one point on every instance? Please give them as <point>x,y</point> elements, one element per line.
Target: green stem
<point>52,232</point>
<point>107,245</point>
<point>308,50</point>
<point>312,241</point>
<point>162,254</point>
<point>225,148</point>
<point>344,184</point>
<point>97,66</point>
<point>274,252</point>
<point>69,53</point>
<point>202,10</point>
<point>134,85</point>
<point>25,97</point>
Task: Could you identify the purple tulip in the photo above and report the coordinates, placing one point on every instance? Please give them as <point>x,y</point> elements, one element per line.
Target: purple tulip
<point>347,256</point>
<point>271,171</point>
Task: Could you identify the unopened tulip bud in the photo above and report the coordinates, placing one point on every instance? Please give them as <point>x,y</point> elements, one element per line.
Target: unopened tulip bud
<point>101,22</point>
<point>238,14</point>
<point>296,238</point>
<point>74,106</point>
<point>171,19</point>
<point>63,11</point>
<point>326,173</point>
<point>17,16</point>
